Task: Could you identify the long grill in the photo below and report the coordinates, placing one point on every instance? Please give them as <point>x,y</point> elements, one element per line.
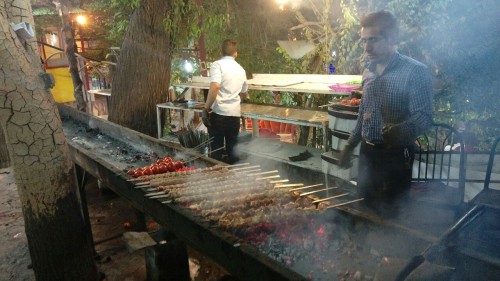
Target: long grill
<point>254,223</point>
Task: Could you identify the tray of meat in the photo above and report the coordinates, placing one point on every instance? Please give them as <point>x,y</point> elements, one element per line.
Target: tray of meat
<point>347,105</point>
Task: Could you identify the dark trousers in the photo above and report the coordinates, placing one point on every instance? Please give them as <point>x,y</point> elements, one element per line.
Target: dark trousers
<point>384,173</point>
<point>224,129</point>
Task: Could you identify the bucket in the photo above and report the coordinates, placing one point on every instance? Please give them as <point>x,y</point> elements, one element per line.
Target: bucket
<point>167,260</point>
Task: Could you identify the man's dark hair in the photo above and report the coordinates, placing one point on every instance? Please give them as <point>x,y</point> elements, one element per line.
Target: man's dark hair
<point>385,20</point>
<point>229,47</point>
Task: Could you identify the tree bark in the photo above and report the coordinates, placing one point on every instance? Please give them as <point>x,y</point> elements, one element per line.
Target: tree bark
<point>143,70</point>
<point>58,245</point>
<point>4,152</point>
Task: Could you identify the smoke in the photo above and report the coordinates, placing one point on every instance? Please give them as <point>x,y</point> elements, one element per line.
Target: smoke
<point>298,4</point>
<point>459,41</point>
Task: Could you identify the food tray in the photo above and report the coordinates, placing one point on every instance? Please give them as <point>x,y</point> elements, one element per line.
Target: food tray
<point>344,107</point>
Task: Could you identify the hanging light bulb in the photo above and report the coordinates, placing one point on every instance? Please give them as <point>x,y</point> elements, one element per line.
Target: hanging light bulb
<point>188,66</point>
<point>81,19</point>
<point>282,3</point>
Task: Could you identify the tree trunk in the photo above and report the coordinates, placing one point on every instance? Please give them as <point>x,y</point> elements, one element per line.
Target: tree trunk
<point>143,70</point>
<point>59,247</point>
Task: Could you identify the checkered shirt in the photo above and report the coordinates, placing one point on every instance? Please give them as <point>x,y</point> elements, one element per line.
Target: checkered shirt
<point>401,95</point>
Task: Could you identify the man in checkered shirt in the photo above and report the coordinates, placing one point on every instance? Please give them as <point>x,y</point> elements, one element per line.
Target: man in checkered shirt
<point>396,107</point>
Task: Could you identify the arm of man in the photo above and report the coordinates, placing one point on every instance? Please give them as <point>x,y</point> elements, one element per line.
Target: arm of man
<point>212,95</point>
<point>420,105</point>
<point>244,89</point>
<point>355,136</point>
<point>243,96</point>
<point>344,160</point>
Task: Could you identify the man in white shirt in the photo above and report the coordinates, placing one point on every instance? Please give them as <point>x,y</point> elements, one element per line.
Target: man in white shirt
<point>228,85</point>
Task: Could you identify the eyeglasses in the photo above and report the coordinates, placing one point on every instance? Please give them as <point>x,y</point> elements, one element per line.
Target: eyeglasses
<point>370,40</point>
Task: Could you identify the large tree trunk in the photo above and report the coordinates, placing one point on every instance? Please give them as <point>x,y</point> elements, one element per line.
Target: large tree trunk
<point>58,244</point>
<point>143,70</point>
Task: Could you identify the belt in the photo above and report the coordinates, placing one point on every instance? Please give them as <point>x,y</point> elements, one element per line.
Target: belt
<point>375,145</point>
<point>384,146</point>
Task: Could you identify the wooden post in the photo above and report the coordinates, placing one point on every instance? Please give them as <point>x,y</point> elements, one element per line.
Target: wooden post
<point>255,127</point>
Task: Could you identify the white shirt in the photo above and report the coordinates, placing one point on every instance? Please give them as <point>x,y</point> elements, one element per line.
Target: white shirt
<point>233,81</point>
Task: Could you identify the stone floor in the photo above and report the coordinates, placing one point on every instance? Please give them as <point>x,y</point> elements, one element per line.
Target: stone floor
<point>109,217</point>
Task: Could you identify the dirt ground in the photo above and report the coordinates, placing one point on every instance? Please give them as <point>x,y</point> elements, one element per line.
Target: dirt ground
<point>109,215</point>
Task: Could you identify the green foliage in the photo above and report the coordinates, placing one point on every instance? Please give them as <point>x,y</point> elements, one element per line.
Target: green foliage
<point>256,25</point>
<point>347,38</point>
<point>114,16</point>
<point>182,21</point>
<point>290,65</point>
<point>45,21</point>
<point>261,97</point>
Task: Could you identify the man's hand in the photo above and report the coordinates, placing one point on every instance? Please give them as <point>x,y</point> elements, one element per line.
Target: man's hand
<point>205,118</point>
<point>391,134</point>
<point>345,157</point>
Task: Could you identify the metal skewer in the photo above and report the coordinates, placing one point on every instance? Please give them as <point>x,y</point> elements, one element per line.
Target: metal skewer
<point>270,177</point>
<point>246,168</point>
<point>237,165</point>
<point>142,183</point>
<point>160,196</point>
<point>249,171</point>
<point>154,193</point>
<point>135,179</point>
<point>263,173</point>
<point>319,190</point>
<point>331,197</point>
<point>201,144</point>
<point>305,187</point>
<point>196,157</point>
<point>288,185</point>
<point>344,203</point>
<point>279,181</point>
